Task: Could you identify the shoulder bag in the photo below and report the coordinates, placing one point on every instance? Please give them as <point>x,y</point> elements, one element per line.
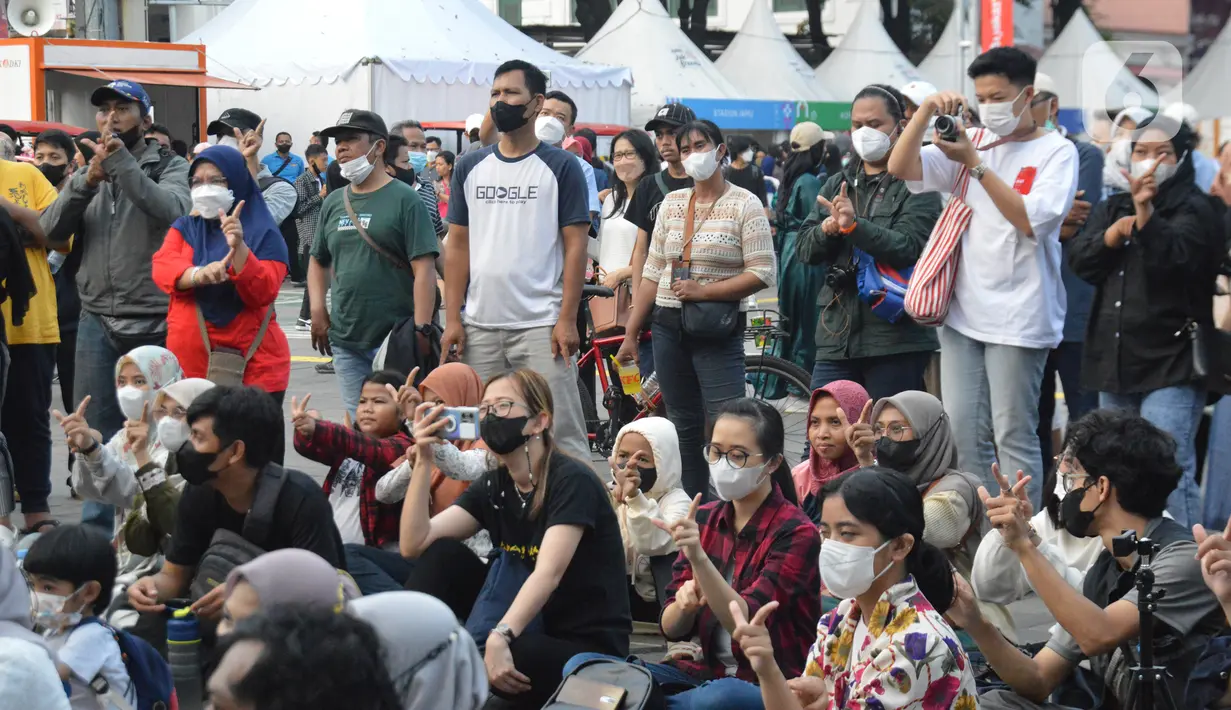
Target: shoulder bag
<point>228,550</point>
<point>227,365</point>
<point>709,320</point>
<point>350,212</point>
<point>610,314</point>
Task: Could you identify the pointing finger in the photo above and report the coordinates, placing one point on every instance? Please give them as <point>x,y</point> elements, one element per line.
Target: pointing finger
<point>59,417</point>
<point>867,412</point>
<point>145,413</point>
<point>842,419</point>
<point>1000,479</point>
<point>692,509</point>
<point>303,404</point>
<point>1080,193</point>
<point>842,192</point>
<point>984,495</point>
<point>1019,488</point>
<point>85,402</point>
<point>238,208</point>
<point>1227,533</point>
<point>392,392</point>
<point>230,257</point>
<point>260,128</point>
<point>762,613</point>
<point>89,144</point>
<point>825,203</point>
<point>737,614</point>
<point>239,135</point>
<point>410,379</point>
<point>1153,167</point>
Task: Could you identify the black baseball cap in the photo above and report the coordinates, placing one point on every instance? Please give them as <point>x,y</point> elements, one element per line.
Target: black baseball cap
<point>354,119</point>
<point>671,116</point>
<point>233,118</point>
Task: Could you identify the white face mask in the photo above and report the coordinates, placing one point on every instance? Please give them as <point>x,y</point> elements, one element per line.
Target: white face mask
<point>229,141</point>
<point>358,170</point>
<point>131,401</point>
<point>49,612</point>
<point>849,570</point>
<point>999,117</point>
<point>700,166</point>
<point>208,199</point>
<point>1161,175</point>
<point>431,155</point>
<point>733,483</point>
<point>747,156</point>
<point>172,433</point>
<point>549,129</point>
<point>871,144</point>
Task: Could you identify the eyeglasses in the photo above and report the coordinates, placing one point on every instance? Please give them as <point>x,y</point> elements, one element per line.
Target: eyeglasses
<point>624,155</point>
<point>177,413</point>
<point>219,180</point>
<point>736,457</point>
<point>1068,481</point>
<point>500,409</point>
<point>895,431</point>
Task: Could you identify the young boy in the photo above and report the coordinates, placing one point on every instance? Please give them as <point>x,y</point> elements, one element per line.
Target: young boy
<point>72,569</point>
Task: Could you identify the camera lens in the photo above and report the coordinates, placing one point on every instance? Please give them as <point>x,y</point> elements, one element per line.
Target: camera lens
<point>946,126</point>
<point>450,424</point>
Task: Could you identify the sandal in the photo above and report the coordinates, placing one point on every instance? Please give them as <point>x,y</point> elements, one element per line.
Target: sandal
<point>38,527</point>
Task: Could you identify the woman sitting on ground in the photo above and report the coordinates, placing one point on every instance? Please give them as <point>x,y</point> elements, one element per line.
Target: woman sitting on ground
<point>887,644</point>
<point>561,562</point>
<point>830,413</point>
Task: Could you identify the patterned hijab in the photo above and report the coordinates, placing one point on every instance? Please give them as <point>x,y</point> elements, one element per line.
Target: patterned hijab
<point>851,397</point>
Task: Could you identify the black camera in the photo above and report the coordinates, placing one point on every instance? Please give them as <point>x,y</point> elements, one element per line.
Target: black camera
<point>1127,543</point>
<point>841,277</point>
<point>947,127</point>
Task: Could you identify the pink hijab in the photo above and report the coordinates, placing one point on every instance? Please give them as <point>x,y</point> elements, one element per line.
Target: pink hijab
<point>810,475</point>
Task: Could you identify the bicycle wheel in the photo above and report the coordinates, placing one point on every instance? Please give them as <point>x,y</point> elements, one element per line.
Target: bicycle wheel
<point>589,408</point>
<point>774,380</point>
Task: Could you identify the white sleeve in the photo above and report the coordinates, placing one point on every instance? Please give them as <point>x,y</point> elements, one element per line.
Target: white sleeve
<point>1051,195</point>
<point>106,478</point>
<point>938,172</point>
<point>647,538</point>
<point>392,486</point>
<point>280,199</point>
<point>462,465</point>
<point>997,575</point>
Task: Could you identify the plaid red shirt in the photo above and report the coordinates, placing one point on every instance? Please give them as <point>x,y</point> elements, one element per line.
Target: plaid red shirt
<point>331,444</point>
<point>773,558</point>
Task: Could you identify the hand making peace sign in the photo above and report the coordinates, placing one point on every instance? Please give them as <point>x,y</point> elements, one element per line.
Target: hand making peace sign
<point>860,436</point>
<point>407,396</point>
<point>685,533</point>
<point>76,428</point>
<point>841,208</point>
<point>250,142</point>
<point>753,637</point>
<point>302,418</point>
<point>1010,511</point>
<point>1143,188</point>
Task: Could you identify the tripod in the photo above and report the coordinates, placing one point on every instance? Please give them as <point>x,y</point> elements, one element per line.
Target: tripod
<point>1149,681</point>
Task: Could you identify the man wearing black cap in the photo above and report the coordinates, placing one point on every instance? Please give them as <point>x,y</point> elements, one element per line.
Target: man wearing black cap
<point>119,208</point>
<point>377,237</point>
<point>243,130</point>
<point>643,207</point>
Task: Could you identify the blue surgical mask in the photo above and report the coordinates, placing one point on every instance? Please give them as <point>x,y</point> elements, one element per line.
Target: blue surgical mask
<point>1050,125</point>
<point>418,161</point>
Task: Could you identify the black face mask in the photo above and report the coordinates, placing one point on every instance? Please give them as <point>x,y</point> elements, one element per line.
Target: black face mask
<point>194,465</point>
<point>509,117</point>
<point>1076,521</point>
<point>898,455</point>
<point>503,434</point>
<point>406,176</point>
<point>132,137</point>
<point>53,173</point>
<point>284,147</point>
<point>648,476</point>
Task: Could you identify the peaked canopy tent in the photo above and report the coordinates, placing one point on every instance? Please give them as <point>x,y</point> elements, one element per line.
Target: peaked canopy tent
<point>666,64</point>
<point>1205,87</point>
<point>865,55</point>
<point>422,59</point>
<point>944,67</point>
<point>761,63</point>
<point>1088,72</point>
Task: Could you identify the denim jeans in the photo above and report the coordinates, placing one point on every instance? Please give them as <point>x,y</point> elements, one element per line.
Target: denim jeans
<point>685,692</point>
<point>991,389</point>
<point>375,570</point>
<point>351,367</point>
<point>1065,361</point>
<point>1177,411</point>
<point>695,376</point>
<point>97,353</point>
<point>1218,468</point>
<point>881,376</point>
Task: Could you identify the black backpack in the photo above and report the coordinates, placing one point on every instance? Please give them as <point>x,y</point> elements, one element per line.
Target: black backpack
<point>591,685</point>
<point>227,550</point>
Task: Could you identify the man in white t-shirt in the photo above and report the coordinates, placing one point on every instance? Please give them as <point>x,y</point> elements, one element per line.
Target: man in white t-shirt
<point>515,259</point>
<point>1007,309</point>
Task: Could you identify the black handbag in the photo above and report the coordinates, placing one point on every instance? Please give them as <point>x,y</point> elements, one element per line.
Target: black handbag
<point>1211,356</point>
<point>709,320</point>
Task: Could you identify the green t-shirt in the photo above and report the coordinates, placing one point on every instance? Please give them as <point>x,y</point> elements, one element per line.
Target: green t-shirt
<point>370,294</point>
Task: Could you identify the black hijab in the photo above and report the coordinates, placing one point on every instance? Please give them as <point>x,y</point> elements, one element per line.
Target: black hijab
<point>1182,184</point>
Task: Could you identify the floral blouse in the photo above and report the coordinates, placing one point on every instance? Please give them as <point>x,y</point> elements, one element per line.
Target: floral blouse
<point>910,657</point>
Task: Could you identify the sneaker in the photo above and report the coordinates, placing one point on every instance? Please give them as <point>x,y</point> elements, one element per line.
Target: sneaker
<point>325,368</point>
<point>683,651</point>
<point>303,324</point>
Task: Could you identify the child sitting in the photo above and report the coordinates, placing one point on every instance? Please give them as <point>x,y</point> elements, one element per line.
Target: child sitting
<point>833,410</point>
<point>357,457</point>
<point>72,569</point>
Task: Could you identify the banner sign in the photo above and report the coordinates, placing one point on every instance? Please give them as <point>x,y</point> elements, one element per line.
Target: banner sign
<point>755,115</point>
<point>997,20</point>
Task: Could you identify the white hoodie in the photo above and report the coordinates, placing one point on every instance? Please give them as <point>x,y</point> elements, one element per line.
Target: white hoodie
<point>666,501</point>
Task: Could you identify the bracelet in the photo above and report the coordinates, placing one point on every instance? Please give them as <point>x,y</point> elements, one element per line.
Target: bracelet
<point>193,278</point>
<point>93,447</point>
<point>849,229</point>
<point>503,631</point>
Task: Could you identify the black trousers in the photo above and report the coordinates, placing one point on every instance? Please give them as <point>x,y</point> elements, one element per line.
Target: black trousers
<point>449,571</point>
<point>26,423</point>
<point>290,234</point>
<point>66,368</point>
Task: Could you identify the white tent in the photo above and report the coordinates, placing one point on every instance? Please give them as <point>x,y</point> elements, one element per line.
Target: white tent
<point>1089,73</point>
<point>664,61</point>
<point>865,55</point>
<point>1205,87</point>
<point>431,60</point>
<point>762,64</point>
<point>943,66</point>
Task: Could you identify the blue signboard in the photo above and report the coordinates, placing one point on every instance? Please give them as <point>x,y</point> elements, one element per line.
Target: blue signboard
<point>748,115</point>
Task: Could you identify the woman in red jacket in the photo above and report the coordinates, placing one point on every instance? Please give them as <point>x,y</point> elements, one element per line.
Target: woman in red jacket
<point>225,261</point>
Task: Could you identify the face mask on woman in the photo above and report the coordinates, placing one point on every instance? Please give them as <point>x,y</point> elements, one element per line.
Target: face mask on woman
<point>871,144</point>
<point>898,455</point>
<point>1161,175</point>
<point>503,434</point>
<point>849,570</point>
<point>747,156</point>
<point>208,199</point>
<point>630,170</point>
<point>358,170</point>
<point>172,433</point>
<point>999,117</point>
<point>700,166</point>
<point>733,483</point>
<point>132,400</point>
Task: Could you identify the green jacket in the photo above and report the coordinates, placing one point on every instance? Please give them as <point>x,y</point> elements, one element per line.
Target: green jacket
<point>894,235</point>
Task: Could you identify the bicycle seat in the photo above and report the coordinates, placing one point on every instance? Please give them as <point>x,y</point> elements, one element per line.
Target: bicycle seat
<point>596,291</point>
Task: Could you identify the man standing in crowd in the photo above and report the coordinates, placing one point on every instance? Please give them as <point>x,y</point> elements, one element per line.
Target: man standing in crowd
<point>227,461</point>
<point>160,133</point>
<point>432,144</point>
<point>555,123</point>
<point>915,92</point>
<point>119,208</point>
<point>1065,359</point>
<point>310,193</point>
<point>643,207</point>
<point>1006,311</point>
<point>376,237</point>
<point>282,162</point>
<point>241,129</point>
<point>516,252</point>
<point>406,159</point>
<point>24,194</point>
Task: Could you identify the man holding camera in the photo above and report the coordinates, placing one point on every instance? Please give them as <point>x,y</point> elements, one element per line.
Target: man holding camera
<point>1006,311</point>
<point>1116,471</point>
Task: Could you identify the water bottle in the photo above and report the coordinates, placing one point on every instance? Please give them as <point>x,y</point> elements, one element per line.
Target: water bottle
<point>649,388</point>
<point>184,656</point>
<point>55,260</point>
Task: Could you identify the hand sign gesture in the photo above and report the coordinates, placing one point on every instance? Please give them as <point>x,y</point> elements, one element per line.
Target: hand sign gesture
<point>753,637</point>
<point>860,436</point>
<point>76,428</point>
<point>303,419</point>
<point>628,480</point>
<point>1010,511</point>
<point>407,396</point>
<point>138,433</point>
<point>1214,552</point>
<point>685,533</point>
<point>232,229</point>
<point>841,209</point>
<point>690,598</point>
<point>427,427</point>
<point>250,143</point>
<point>1143,188</point>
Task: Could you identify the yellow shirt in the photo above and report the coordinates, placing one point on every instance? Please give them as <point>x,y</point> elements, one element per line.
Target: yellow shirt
<point>23,184</point>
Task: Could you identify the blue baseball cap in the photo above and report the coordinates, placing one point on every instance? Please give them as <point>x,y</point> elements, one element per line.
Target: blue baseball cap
<point>124,90</point>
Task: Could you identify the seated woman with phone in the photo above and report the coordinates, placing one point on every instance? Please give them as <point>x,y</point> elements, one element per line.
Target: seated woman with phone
<point>557,587</point>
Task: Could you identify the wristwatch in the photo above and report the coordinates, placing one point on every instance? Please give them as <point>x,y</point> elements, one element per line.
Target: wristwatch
<point>978,171</point>
<point>504,632</point>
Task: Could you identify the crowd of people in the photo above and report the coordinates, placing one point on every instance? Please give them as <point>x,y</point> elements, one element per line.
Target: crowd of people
<point>463,546</point>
